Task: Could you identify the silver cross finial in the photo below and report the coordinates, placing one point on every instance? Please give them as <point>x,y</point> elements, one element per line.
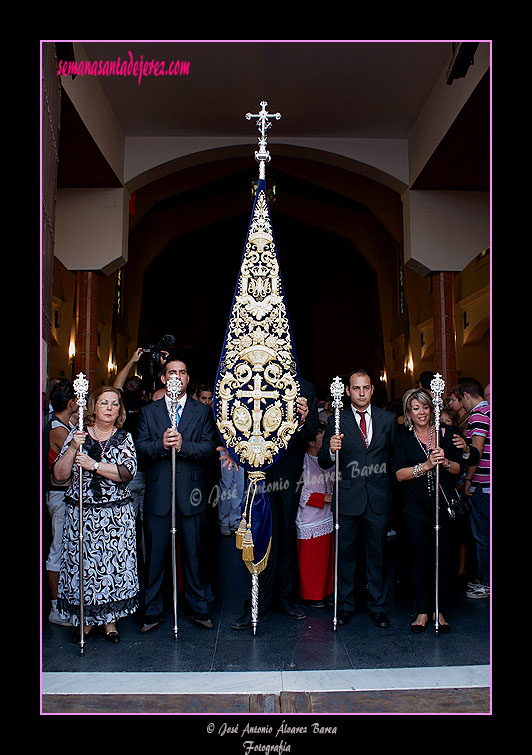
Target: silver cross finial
<point>263,124</point>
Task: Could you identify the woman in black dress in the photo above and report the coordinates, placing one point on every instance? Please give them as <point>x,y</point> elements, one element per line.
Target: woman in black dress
<point>416,456</point>
<point>108,459</point>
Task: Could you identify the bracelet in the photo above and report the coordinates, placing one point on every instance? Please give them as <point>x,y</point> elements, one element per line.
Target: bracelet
<point>417,470</point>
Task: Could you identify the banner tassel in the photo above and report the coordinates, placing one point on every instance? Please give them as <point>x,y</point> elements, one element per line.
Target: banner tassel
<point>241,531</point>
<point>247,546</point>
<point>247,542</point>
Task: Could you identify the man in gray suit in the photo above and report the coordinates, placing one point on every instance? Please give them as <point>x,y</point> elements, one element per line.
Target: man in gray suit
<point>365,442</point>
<point>194,441</point>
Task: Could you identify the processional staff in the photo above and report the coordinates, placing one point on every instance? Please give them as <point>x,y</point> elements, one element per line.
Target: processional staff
<point>337,391</point>
<point>437,386</point>
<point>175,387</point>
<point>81,387</point>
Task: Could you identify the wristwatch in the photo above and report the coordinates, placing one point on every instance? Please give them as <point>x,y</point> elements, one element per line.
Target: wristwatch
<point>95,467</point>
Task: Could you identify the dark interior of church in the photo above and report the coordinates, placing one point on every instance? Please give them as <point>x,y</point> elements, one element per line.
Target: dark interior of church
<point>197,274</point>
<point>379,192</point>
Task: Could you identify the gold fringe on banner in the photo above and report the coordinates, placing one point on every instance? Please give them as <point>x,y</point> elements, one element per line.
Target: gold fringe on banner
<point>258,568</point>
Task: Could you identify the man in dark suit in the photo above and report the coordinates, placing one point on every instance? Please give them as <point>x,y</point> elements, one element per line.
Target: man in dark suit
<point>278,581</point>
<point>194,441</point>
<point>365,442</point>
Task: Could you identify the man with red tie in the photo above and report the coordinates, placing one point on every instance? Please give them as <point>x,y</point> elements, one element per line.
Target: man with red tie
<point>365,443</point>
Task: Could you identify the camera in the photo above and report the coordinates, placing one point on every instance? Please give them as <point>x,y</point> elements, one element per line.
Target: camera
<point>156,350</point>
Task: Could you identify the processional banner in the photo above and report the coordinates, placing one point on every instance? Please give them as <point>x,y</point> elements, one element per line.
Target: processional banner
<point>257,384</point>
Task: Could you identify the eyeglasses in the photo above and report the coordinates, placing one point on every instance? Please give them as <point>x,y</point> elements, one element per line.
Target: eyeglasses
<point>114,404</point>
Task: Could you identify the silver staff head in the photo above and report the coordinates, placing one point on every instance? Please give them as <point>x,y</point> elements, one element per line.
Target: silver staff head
<point>81,387</point>
<point>437,386</point>
<point>337,392</point>
<point>174,387</point>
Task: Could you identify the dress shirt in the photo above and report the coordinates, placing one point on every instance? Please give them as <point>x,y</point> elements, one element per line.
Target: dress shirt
<point>369,426</point>
<point>180,403</point>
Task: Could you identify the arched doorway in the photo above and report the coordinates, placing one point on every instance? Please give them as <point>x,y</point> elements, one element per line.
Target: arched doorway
<point>338,258</point>
<point>331,290</point>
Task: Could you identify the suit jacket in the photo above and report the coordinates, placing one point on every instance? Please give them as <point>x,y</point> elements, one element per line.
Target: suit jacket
<point>199,440</point>
<point>366,474</point>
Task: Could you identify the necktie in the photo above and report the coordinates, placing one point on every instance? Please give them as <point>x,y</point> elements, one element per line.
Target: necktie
<point>178,411</point>
<point>363,428</point>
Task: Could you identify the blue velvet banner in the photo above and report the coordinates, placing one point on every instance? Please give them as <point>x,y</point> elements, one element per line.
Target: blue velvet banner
<point>260,520</point>
<point>258,383</point>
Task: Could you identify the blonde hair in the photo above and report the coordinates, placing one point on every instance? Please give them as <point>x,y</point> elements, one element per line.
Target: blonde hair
<point>91,405</point>
<point>423,397</point>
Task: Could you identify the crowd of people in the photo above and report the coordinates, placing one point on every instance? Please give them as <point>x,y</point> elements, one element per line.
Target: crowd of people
<point>132,446</point>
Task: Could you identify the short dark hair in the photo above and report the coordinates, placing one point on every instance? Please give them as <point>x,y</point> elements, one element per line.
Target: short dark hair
<point>173,356</point>
<point>61,394</point>
<point>358,372</point>
<point>203,387</point>
<point>471,386</point>
<point>133,386</point>
<point>426,379</point>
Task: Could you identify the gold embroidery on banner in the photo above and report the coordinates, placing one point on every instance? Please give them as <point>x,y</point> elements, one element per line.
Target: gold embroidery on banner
<point>257,386</point>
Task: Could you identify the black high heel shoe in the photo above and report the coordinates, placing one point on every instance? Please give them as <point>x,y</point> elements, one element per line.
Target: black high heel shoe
<point>442,628</point>
<point>113,636</point>
<point>418,628</point>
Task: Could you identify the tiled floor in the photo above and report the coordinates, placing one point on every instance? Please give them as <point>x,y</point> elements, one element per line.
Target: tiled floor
<point>280,645</point>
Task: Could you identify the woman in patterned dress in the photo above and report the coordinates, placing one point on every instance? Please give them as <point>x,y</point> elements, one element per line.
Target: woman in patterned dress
<point>109,462</point>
